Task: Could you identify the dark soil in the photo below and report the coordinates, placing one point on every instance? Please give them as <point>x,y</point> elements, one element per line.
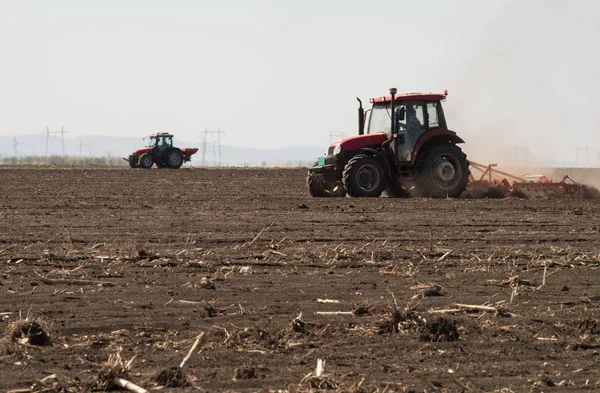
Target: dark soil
<point>149,259</point>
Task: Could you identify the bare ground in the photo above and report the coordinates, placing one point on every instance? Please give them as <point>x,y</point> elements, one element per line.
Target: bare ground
<point>140,262</point>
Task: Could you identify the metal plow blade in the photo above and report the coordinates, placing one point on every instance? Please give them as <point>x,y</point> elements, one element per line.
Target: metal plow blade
<point>492,183</point>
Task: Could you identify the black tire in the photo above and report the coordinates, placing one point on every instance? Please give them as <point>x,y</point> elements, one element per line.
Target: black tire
<point>173,159</point>
<point>315,186</point>
<point>364,176</point>
<point>441,171</point>
<point>319,189</point>
<point>395,190</point>
<point>145,161</point>
<point>132,164</point>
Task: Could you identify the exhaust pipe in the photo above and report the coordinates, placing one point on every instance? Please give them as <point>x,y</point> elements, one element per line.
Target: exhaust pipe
<point>361,118</point>
<point>393,92</point>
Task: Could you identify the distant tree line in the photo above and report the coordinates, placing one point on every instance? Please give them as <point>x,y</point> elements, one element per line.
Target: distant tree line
<point>58,160</point>
<point>63,161</point>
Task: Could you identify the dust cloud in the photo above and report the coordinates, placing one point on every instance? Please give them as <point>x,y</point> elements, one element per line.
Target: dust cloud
<point>527,96</point>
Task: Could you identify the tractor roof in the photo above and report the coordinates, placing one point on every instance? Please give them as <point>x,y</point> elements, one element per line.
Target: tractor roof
<point>156,135</point>
<point>412,97</point>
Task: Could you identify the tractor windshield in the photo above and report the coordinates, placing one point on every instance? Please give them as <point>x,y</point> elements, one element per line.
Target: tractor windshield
<point>161,141</point>
<point>380,119</point>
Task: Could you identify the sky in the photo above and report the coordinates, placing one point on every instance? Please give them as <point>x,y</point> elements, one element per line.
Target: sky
<point>522,75</point>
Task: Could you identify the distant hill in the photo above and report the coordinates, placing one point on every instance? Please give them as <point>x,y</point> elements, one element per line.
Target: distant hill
<point>100,146</point>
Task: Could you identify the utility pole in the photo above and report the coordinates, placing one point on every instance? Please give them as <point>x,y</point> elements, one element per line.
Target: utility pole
<point>204,146</point>
<point>215,139</point>
<point>15,144</point>
<point>62,133</point>
<point>219,132</point>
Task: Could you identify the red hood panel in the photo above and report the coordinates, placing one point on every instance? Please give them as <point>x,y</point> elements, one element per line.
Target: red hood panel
<point>141,151</point>
<point>359,141</point>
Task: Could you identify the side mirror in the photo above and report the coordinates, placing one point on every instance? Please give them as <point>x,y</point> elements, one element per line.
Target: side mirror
<point>401,113</point>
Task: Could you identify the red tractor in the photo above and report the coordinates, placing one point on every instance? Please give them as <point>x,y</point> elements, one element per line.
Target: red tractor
<point>403,147</point>
<point>160,151</point>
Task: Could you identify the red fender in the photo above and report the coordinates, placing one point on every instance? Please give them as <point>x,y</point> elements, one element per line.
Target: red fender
<point>435,136</point>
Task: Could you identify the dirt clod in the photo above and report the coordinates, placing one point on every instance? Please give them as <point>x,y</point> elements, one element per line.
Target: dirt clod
<point>441,329</point>
<point>171,378</point>
<point>28,332</point>
<point>245,372</point>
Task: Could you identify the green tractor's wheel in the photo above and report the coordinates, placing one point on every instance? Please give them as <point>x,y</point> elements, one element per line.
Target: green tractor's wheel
<point>145,161</point>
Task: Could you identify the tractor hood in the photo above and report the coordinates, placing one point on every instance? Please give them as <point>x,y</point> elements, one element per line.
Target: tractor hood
<point>359,141</point>
<point>141,151</point>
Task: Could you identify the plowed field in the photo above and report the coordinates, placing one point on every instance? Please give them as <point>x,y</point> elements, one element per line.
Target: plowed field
<point>394,295</point>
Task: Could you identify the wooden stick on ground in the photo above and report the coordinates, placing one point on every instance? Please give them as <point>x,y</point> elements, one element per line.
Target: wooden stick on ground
<point>257,236</point>
<point>334,313</point>
<point>440,259</point>
<point>125,384</point>
<point>545,270</point>
<point>476,307</point>
<point>199,340</point>
<point>190,302</point>
<point>320,368</point>
<point>61,281</point>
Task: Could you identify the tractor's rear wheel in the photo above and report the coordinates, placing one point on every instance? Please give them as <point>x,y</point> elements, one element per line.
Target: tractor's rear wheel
<point>441,171</point>
<point>145,161</point>
<point>174,158</point>
<point>364,176</point>
<point>318,188</point>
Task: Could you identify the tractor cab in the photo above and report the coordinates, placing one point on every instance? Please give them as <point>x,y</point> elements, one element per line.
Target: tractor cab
<point>415,115</point>
<point>161,142</point>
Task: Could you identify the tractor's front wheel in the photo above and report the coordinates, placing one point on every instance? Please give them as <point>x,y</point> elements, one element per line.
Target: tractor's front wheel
<point>364,176</point>
<point>145,161</point>
<point>441,171</point>
<point>318,188</point>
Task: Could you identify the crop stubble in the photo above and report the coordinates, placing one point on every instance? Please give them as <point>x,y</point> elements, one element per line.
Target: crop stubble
<point>141,262</point>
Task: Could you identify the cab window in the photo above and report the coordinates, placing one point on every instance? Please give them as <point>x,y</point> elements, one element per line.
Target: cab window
<point>435,115</point>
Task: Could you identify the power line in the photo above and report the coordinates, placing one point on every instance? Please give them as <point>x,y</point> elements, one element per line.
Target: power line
<point>15,145</point>
<point>215,137</point>
<point>62,133</point>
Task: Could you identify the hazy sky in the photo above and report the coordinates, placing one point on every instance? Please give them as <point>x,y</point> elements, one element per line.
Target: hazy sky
<point>276,73</point>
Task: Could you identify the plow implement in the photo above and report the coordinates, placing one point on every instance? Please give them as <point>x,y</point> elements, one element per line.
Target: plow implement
<point>506,184</point>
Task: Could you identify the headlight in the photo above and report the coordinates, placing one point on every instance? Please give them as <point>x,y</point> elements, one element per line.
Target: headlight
<point>337,150</point>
